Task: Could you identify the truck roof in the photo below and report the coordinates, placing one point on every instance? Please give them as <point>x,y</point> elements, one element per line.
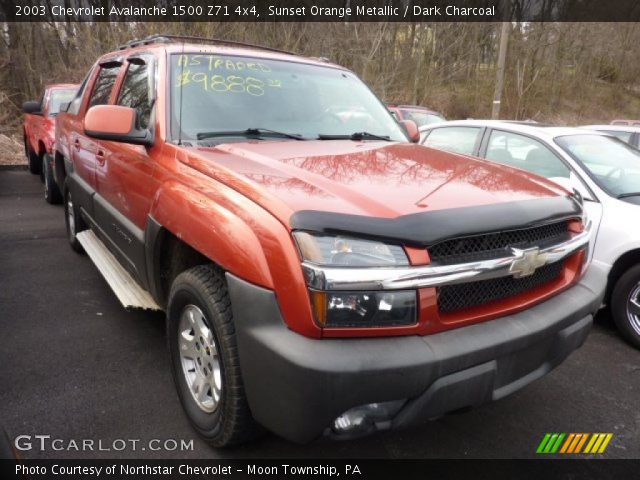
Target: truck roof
<point>178,44</point>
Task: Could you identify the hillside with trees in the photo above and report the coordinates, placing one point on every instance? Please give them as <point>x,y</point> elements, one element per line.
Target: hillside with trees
<point>568,73</point>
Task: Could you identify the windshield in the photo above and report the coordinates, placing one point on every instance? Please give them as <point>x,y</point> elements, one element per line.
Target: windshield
<point>58,97</point>
<point>613,164</point>
<point>221,93</point>
<point>624,136</point>
<point>422,118</point>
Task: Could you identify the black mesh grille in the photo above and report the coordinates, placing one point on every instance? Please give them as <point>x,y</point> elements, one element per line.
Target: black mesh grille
<point>493,245</point>
<point>465,295</point>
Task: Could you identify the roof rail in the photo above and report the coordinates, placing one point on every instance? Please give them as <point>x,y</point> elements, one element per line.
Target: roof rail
<point>161,38</point>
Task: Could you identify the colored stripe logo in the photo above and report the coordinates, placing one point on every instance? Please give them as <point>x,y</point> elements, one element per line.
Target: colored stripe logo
<point>574,443</point>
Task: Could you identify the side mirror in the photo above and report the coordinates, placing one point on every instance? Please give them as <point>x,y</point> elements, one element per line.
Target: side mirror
<point>115,123</point>
<point>32,108</point>
<point>412,130</point>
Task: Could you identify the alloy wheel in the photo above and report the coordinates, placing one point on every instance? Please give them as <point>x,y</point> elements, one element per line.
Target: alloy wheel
<point>633,308</point>
<point>199,359</point>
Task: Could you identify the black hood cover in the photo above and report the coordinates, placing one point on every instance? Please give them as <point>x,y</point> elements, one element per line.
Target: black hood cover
<point>428,228</point>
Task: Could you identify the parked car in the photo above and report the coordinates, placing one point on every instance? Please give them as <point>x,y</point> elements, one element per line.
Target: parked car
<point>39,132</point>
<point>421,115</point>
<point>635,123</point>
<point>7,449</point>
<point>317,280</point>
<point>606,172</point>
<point>628,134</point>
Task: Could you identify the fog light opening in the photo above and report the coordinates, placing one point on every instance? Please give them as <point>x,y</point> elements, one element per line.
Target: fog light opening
<point>366,419</point>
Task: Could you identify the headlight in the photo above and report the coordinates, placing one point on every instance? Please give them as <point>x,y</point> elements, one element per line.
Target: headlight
<point>364,309</point>
<point>355,309</point>
<point>340,250</point>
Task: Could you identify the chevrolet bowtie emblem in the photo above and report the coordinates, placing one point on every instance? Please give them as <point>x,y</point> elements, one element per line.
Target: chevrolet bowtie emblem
<point>526,262</point>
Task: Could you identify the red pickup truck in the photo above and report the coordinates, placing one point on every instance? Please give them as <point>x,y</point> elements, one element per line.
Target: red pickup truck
<point>39,131</point>
<point>321,274</point>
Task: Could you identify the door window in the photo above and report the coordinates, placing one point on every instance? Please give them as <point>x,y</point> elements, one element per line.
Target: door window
<point>136,92</point>
<point>454,139</point>
<point>526,153</point>
<point>103,86</point>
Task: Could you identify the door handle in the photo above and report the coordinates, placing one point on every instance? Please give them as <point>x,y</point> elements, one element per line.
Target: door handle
<point>76,143</point>
<point>100,157</point>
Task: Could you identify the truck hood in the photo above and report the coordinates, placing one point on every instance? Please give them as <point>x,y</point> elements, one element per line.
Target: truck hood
<point>379,179</point>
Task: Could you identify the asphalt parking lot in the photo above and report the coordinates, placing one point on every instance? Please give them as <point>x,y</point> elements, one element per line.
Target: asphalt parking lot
<point>75,365</point>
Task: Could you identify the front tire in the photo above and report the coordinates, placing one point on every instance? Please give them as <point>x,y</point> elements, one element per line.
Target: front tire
<point>35,162</point>
<point>73,220</point>
<point>204,357</point>
<point>625,305</point>
<point>51,191</point>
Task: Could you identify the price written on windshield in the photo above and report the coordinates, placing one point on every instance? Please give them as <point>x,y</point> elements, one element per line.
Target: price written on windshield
<point>227,84</point>
<point>214,11</point>
<point>226,74</point>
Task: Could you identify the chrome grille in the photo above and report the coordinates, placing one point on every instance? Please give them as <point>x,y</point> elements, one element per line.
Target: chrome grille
<point>472,294</point>
<point>494,245</point>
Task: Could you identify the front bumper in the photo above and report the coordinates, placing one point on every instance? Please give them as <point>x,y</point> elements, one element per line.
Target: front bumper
<point>297,386</point>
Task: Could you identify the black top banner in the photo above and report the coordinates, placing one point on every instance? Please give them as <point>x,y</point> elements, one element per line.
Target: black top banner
<point>320,10</point>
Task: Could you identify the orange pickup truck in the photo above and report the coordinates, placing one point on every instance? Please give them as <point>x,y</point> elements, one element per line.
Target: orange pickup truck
<point>39,130</point>
<point>321,274</point>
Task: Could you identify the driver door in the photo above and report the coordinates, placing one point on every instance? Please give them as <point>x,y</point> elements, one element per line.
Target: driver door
<point>124,178</point>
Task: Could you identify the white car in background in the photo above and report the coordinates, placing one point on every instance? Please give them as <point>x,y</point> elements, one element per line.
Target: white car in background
<point>604,169</point>
<point>627,133</point>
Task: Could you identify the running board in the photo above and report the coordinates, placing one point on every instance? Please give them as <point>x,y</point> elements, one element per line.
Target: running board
<point>131,295</point>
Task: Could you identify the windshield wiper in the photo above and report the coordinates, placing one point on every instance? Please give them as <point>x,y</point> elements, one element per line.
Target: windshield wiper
<point>249,132</point>
<point>355,136</point>
<point>625,195</point>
